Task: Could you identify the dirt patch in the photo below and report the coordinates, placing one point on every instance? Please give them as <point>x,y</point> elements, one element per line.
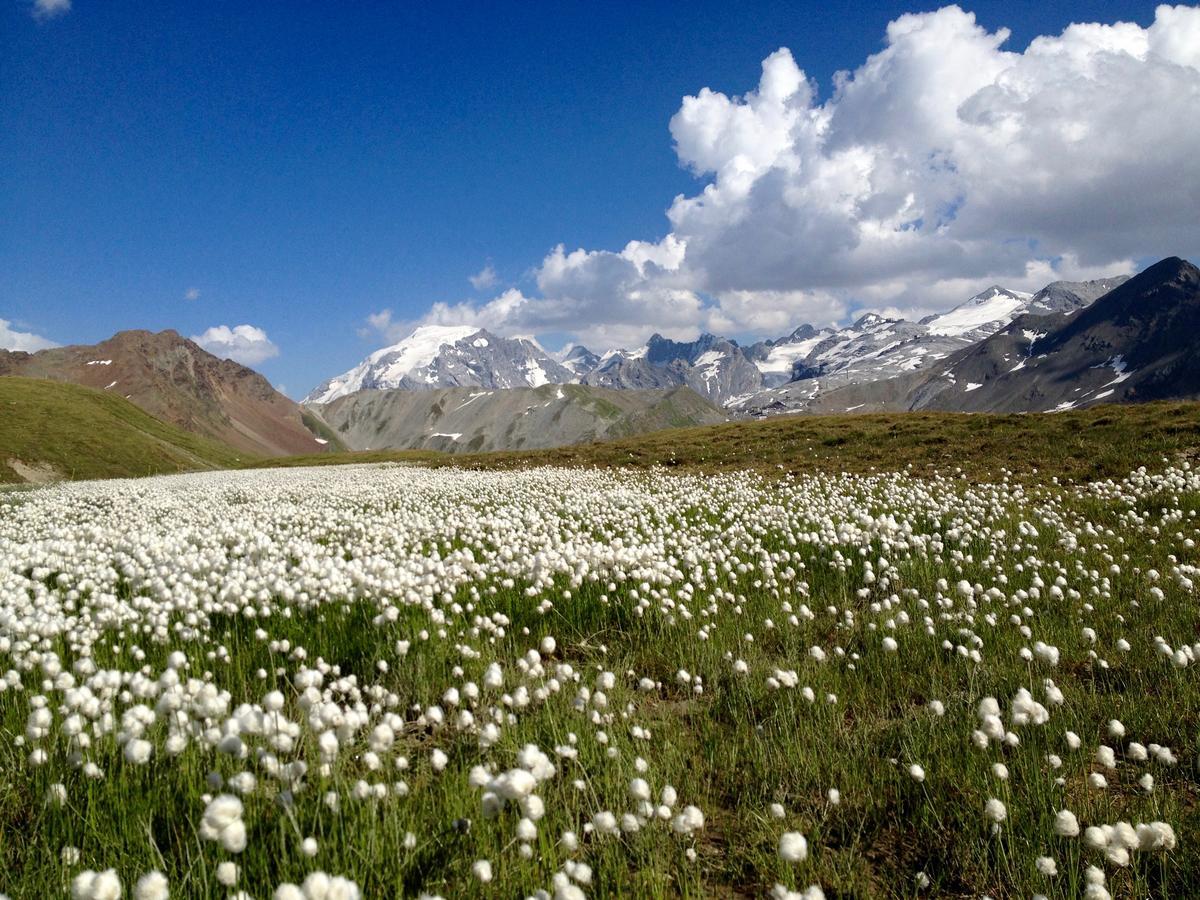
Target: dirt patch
<point>35,473</point>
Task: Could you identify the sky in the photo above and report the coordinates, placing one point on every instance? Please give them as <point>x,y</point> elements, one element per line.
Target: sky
<point>297,184</point>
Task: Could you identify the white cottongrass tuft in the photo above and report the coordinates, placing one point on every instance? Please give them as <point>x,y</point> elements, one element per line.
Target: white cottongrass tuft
<point>793,847</point>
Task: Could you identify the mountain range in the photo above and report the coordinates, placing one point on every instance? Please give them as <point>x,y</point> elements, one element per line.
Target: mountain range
<point>768,376</point>
<point>463,388</point>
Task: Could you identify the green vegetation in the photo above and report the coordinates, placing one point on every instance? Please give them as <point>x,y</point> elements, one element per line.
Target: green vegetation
<point>50,430</point>
<point>1082,445</point>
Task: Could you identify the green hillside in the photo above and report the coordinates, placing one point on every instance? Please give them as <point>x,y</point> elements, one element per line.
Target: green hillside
<point>1099,442</point>
<point>51,430</point>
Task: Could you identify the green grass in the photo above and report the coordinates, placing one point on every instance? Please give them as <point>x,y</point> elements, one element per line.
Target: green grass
<point>1082,445</point>
<point>69,431</point>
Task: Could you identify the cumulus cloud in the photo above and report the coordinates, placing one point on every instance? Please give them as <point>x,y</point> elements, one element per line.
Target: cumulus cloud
<point>941,164</point>
<point>245,344</point>
<point>11,339</point>
<point>484,278</point>
<point>50,9</point>
<point>191,294</point>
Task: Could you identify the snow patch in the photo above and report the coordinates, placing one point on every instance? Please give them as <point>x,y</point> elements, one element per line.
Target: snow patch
<point>535,374</point>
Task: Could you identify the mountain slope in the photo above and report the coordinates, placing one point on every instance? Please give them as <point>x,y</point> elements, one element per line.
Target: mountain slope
<point>435,356</point>
<point>1064,296</point>
<point>177,381</point>
<point>1136,343</point>
<point>51,430</point>
<point>463,420</point>
<point>875,349</point>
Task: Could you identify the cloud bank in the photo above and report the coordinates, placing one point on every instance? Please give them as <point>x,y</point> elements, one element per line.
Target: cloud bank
<point>245,344</point>
<point>11,339</point>
<point>942,163</point>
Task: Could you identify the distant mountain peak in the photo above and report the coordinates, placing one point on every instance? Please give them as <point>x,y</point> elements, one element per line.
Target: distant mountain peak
<point>439,356</point>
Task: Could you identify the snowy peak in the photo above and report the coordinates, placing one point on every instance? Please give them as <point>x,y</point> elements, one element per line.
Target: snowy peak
<point>436,356</point>
<point>420,349</point>
<point>579,360</point>
<point>872,321</point>
<point>714,367</point>
<point>985,313</point>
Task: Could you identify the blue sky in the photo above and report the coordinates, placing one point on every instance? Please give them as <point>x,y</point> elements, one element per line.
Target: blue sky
<point>300,166</point>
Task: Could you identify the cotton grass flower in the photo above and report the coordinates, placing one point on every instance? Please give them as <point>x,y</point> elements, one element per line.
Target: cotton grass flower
<point>222,822</point>
<point>90,885</point>
<point>151,886</point>
<point>1066,824</point>
<point>793,847</point>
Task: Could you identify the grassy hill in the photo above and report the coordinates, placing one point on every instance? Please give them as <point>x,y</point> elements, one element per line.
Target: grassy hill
<point>1093,443</point>
<point>51,430</point>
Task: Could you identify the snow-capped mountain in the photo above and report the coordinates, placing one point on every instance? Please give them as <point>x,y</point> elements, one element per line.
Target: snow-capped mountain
<point>1134,343</point>
<point>579,359</point>
<point>777,359</point>
<point>436,356</point>
<point>982,315</point>
<point>715,368</point>
<point>782,375</point>
<point>876,348</point>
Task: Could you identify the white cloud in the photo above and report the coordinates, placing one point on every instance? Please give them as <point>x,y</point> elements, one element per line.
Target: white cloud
<point>484,278</point>
<point>941,164</point>
<point>50,9</point>
<point>384,325</point>
<point>10,339</point>
<point>245,344</point>
<point>192,294</point>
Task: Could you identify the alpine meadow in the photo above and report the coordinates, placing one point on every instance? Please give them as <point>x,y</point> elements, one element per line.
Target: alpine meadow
<point>580,452</point>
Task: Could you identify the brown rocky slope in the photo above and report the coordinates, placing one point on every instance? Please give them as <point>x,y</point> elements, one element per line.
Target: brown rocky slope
<point>177,381</point>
